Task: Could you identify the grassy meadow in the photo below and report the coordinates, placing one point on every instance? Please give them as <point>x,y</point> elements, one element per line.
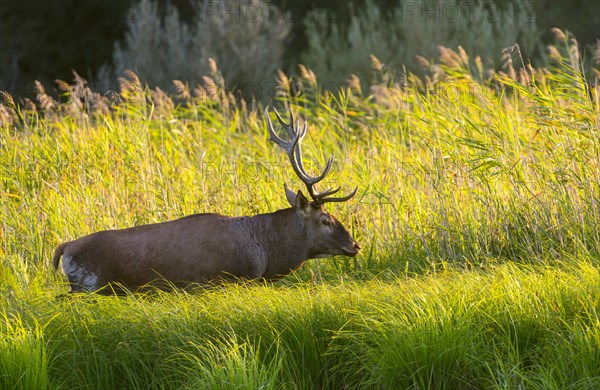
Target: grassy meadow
<point>478,212</point>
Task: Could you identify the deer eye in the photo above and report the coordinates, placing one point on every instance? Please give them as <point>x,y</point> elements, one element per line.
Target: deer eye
<point>326,222</point>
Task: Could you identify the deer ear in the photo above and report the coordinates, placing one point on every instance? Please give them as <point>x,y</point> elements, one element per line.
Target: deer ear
<point>296,199</point>
<point>290,195</point>
<point>301,202</point>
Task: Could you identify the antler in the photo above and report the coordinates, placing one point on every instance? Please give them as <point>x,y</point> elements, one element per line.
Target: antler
<point>294,151</point>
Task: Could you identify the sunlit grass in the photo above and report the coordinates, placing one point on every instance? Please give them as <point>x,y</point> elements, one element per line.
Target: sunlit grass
<point>477,212</point>
<point>23,354</point>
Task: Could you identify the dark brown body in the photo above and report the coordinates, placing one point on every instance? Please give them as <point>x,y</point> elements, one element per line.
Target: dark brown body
<point>204,248</point>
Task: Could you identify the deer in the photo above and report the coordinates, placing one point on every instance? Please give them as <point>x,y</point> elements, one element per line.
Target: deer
<point>207,248</point>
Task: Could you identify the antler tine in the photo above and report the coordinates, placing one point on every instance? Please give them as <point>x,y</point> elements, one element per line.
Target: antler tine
<point>289,127</point>
<point>340,199</point>
<point>272,135</point>
<point>325,171</point>
<point>298,149</point>
<point>329,191</point>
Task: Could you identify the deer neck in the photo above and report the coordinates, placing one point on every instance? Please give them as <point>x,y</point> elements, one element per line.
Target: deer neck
<point>283,238</point>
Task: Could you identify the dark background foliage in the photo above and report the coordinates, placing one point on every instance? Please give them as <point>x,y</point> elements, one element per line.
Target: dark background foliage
<point>47,39</point>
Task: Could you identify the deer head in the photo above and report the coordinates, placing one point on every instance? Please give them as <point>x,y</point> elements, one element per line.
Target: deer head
<point>329,236</point>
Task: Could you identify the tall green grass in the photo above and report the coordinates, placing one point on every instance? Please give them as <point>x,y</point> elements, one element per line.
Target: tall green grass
<point>477,211</point>
<point>511,326</point>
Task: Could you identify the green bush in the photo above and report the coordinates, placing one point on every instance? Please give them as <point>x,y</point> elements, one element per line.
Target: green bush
<point>245,38</point>
<point>417,29</point>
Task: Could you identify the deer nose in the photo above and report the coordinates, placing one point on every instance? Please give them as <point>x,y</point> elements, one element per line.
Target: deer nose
<point>356,246</point>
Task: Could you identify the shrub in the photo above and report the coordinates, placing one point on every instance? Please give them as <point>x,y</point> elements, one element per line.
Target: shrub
<point>417,28</point>
<point>245,37</point>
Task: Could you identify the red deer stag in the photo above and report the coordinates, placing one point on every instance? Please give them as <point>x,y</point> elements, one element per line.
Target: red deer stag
<point>204,248</point>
